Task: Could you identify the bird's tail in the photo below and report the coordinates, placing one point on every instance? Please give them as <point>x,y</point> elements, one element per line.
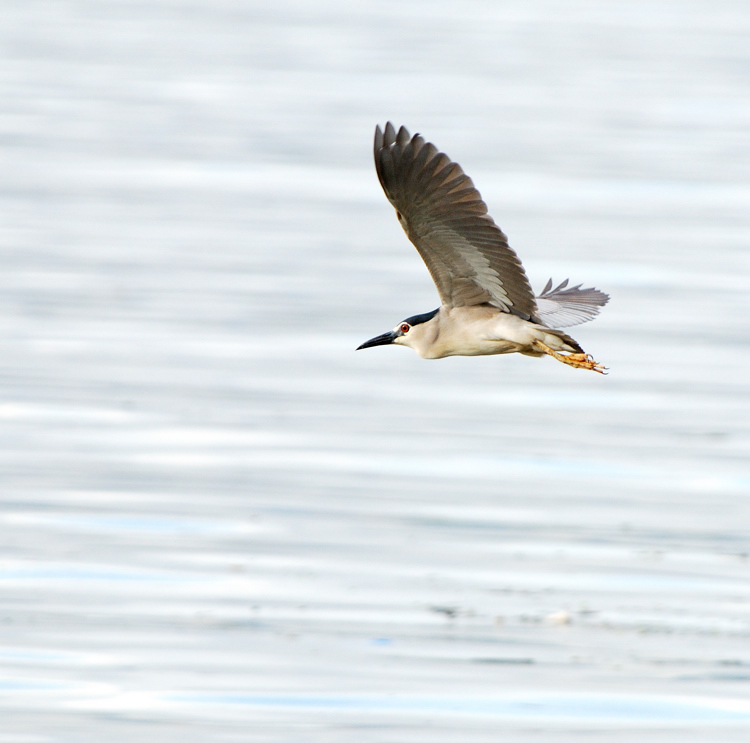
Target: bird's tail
<point>556,339</point>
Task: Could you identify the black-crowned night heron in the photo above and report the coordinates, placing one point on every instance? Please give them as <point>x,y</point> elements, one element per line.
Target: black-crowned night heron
<point>488,306</point>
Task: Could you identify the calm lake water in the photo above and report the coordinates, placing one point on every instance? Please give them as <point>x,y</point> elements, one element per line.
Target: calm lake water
<point>219,523</point>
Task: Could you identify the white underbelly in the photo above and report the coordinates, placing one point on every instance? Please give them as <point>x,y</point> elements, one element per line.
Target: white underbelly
<point>474,334</point>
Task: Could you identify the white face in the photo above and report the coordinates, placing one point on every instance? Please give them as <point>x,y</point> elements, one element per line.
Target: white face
<point>402,331</point>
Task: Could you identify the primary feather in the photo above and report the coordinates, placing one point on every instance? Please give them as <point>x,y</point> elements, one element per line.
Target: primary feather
<point>562,308</point>
<point>443,214</point>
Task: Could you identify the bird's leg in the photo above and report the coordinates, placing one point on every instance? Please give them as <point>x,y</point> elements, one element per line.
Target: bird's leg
<point>577,360</point>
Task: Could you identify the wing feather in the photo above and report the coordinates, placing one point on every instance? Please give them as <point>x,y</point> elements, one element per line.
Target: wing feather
<point>562,307</point>
<point>443,214</point>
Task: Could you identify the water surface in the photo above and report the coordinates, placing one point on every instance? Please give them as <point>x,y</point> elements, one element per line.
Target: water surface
<point>220,523</point>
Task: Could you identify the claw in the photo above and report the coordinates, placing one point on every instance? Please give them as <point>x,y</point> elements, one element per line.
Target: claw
<point>576,360</point>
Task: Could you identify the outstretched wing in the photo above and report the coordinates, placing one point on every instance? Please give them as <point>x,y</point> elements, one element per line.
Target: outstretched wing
<point>444,216</point>
<point>562,308</point>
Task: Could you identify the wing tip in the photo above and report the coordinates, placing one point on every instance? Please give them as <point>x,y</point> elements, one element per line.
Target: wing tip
<point>389,135</point>
<point>588,296</point>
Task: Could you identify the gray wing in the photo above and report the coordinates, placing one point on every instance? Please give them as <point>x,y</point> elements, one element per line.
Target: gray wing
<point>444,216</point>
<point>562,308</point>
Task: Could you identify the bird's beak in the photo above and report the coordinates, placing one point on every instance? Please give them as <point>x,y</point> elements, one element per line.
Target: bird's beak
<point>380,340</point>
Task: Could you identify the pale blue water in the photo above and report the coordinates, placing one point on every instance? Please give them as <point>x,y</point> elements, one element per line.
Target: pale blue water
<point>221,523</point>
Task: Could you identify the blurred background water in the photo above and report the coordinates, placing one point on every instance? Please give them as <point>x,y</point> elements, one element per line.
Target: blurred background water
<point>220,523</point>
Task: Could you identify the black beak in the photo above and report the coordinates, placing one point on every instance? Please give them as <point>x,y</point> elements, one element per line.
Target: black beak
<point>381,340</point>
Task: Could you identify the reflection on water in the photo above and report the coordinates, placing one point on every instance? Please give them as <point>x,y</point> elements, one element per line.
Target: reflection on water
<point>219,522</point>
<point>565,706</point>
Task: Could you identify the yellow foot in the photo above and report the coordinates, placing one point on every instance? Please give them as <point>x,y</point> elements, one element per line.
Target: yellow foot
<point>577,360</point>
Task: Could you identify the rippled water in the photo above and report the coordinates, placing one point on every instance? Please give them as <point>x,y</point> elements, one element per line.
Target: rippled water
<point>220,523</point>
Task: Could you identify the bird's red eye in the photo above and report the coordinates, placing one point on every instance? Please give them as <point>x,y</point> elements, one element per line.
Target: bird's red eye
<point>404,328</point>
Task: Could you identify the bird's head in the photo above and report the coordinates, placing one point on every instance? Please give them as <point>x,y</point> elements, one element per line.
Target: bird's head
<point>414,332</point>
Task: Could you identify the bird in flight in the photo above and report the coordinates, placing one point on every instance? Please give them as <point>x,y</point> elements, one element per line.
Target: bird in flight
<point>487,304</point>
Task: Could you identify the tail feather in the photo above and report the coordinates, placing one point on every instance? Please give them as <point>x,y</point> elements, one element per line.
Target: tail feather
<point>562,307</point>
<point>569,344</point>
